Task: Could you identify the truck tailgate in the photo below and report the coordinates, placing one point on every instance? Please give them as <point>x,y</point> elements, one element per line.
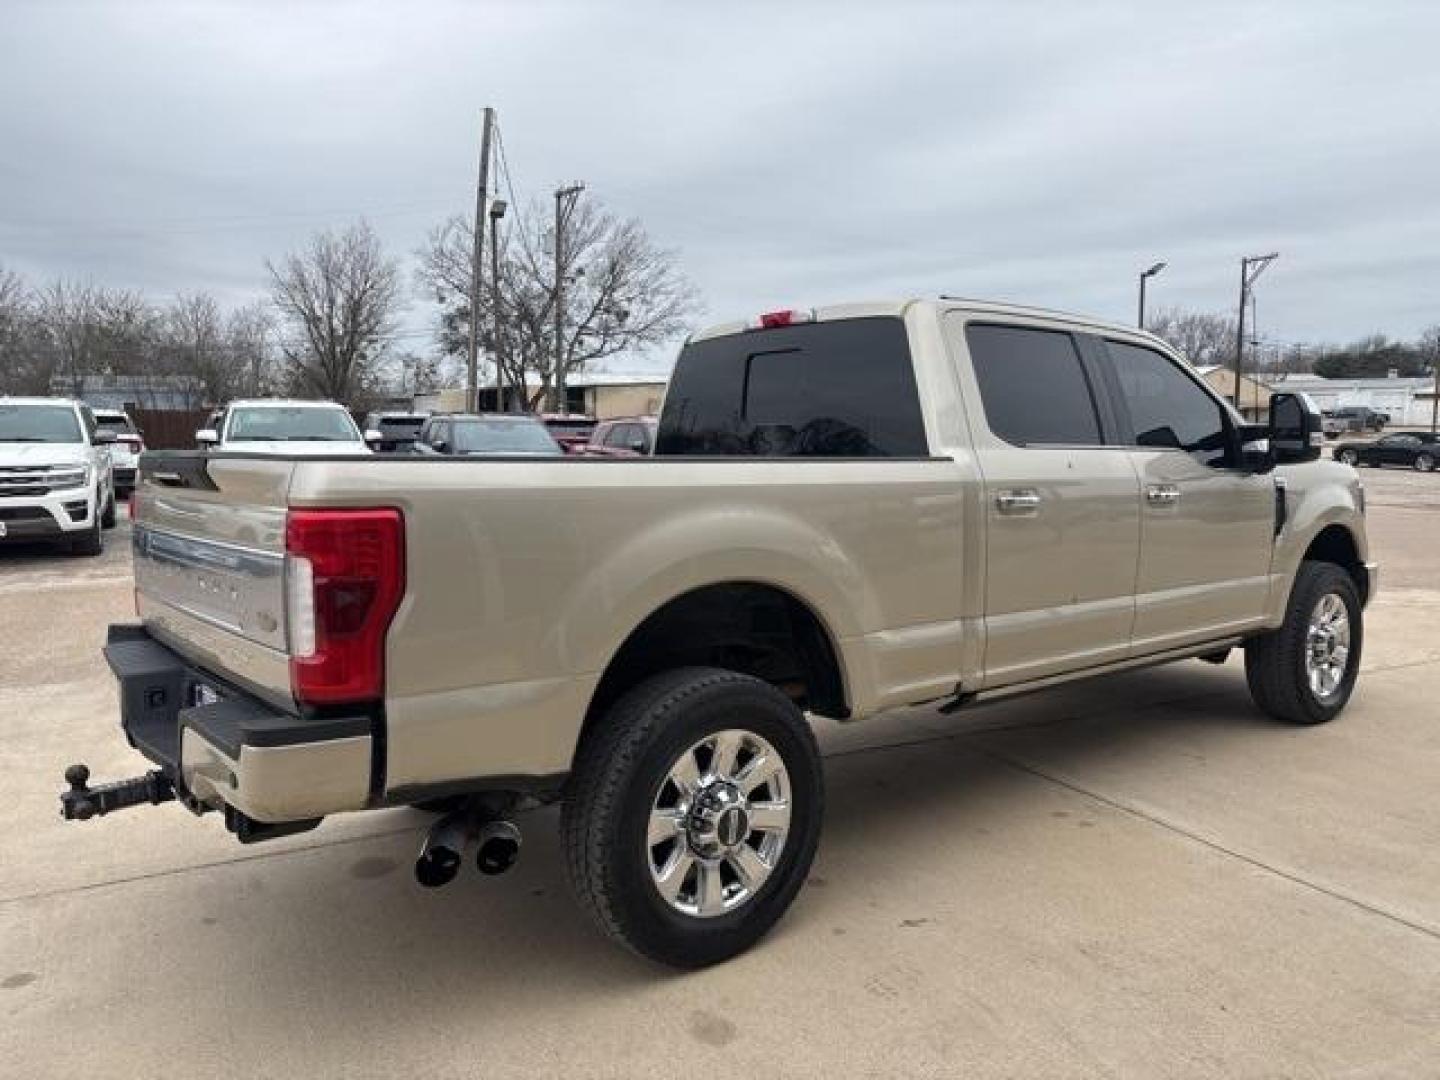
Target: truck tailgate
<point>209,552</point>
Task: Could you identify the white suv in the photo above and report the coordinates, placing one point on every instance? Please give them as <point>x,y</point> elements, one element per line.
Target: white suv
<point>56,480</point>
<point>126,450</point>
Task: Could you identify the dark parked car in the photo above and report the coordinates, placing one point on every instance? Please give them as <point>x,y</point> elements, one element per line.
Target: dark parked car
<point>486,435</point>
<point>398,430</point>
<point>1361,418</point>
<point>625,436</point>
<point>1418,450</point>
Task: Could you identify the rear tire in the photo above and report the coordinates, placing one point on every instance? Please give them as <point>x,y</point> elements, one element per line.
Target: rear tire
<point>720,731</point>
<point>1294,673</point>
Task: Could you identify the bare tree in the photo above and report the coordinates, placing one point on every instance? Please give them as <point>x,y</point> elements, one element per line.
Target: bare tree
<point>195,344</point>
<point>622,292</point>
<point>66,314</point>
<point>18,355</point>
<point>337,298</point>
<point>249,342</point>
<point>1202,337</point>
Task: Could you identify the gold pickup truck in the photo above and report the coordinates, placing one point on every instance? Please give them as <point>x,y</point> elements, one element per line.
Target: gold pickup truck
<point>847,510</point>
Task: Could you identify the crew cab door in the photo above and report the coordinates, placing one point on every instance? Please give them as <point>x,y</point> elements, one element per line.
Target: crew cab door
<point>1061,506</point>
<point>1207,526</point>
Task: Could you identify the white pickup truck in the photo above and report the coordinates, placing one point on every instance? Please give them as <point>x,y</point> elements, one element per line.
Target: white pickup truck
<point>847,510</point>
<point>279,426</point>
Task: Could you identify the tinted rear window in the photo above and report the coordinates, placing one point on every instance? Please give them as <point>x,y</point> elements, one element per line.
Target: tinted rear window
<point>1032,387</point>
<point>830,389</point>
<point>121,425</point>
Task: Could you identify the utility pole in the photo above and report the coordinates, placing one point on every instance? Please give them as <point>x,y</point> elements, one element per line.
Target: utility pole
<point>1247,279</point>
<point>482,190</point>
<point>564,202</point>
<point>497,211</point>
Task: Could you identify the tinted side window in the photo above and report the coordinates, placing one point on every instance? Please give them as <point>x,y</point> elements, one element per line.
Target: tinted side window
<point>1167,409</point>
<point>829,389</point>
<point>1032,386</point>
<point>617,435</point>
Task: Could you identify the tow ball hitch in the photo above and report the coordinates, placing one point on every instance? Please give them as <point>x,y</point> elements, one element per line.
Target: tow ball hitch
<point>83,802</point>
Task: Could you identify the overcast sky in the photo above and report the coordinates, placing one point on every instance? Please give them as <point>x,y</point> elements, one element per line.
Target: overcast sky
<point>793,155</point>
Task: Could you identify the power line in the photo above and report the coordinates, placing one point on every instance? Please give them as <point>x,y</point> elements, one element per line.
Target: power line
<point>195,226</point>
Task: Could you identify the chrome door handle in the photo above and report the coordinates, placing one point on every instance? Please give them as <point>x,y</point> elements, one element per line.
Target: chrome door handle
<point>1018,501</point>
<point>1162,494</point>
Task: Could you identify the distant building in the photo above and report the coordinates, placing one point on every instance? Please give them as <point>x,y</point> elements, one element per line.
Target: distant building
<point>1408,401</point>
<point>162,393</point>
<point>1254,394</point>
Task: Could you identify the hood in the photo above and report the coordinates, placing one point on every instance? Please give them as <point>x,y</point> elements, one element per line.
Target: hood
<point>14,453</point>
<point>297,448</point>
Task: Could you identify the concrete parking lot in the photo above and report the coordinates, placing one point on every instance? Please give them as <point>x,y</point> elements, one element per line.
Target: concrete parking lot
<point>1135,876</point>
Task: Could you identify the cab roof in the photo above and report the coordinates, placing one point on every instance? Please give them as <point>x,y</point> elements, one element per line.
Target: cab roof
<point>898,309</point>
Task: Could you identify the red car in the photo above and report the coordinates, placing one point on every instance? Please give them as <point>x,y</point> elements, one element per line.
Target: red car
<point>570,430</point>
<point>624,436</point>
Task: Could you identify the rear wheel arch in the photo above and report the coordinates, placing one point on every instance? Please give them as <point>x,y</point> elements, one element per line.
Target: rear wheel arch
<point>754,628</point>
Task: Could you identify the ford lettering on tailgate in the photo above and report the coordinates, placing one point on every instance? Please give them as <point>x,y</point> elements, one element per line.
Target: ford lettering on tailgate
<point>235,588</point>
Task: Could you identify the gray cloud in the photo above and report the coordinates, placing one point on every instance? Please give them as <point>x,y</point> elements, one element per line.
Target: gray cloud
<point>793,154</point>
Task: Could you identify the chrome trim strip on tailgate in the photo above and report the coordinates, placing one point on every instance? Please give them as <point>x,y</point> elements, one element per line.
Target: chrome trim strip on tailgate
<point>233,588</point>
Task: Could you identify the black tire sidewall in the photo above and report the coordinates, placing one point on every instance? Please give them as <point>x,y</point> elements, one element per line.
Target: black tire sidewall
<point>1319,580</point>
<point>656,928</point>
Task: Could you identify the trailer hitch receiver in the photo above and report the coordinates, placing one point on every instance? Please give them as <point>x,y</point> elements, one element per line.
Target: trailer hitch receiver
<point>83,802</point>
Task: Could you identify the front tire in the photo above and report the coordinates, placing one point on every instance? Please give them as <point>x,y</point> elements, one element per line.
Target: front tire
<point>1304,671</point>
<point>91,542</point>
<point>693,814</point>
<point>1349,457</point>
<point>107,519</point>
<point>1425,462</point>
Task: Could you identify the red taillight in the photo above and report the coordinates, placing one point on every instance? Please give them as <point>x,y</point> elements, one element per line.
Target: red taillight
<point>772,320</point>
<point>345,577</point>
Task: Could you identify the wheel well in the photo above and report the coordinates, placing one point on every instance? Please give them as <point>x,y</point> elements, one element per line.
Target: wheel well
<point>756,629</point>
<point>1335,544</point>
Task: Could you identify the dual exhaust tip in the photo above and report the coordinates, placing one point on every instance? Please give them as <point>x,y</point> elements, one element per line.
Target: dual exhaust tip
<point>496,843</point>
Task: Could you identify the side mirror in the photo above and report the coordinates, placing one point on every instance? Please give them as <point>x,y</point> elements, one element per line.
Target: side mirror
<point>104,438</point>
<point>372,436</point>
<point>1296,429</point>
<point>207,437</point>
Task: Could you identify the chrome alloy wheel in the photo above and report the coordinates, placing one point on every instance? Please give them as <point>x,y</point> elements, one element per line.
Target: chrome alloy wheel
<point>718,823</point>
<point>1327,647</point>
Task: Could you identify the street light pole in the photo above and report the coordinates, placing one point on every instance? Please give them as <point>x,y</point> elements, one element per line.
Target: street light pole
<point>1143,276</point>
<point>1247,279</point>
